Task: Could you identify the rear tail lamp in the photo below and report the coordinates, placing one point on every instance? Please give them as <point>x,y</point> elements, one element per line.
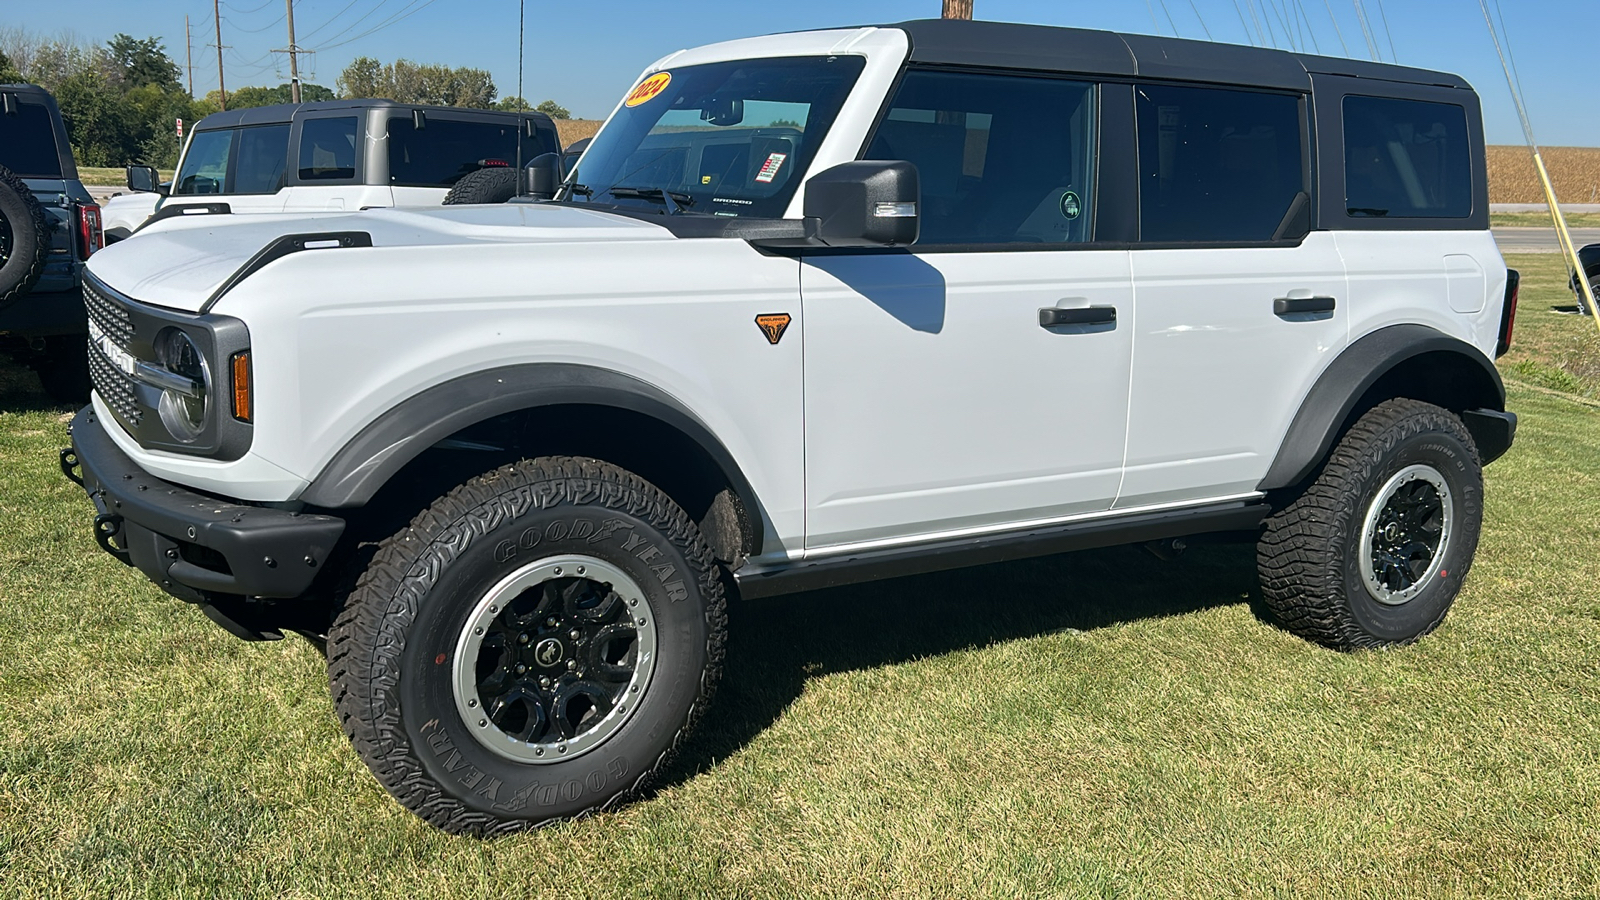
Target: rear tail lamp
<point>241,386</point>
<point>1508,315</point>
<point>93,236</point>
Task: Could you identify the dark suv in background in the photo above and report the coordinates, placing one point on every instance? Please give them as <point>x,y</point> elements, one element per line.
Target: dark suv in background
<point>48,227</point>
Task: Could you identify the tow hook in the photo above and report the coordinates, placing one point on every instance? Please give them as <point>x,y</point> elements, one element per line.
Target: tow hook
<point>70,464</point>
<point>106,527</point>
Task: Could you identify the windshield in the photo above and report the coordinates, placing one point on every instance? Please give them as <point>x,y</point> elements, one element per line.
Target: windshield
<point>725,139</point>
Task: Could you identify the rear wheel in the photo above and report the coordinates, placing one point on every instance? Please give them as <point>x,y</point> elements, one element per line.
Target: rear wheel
<point>1373,553</point>
<point>533,647</point>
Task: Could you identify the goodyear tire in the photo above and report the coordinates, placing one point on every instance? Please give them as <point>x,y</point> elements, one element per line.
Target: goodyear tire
<point>24,238</point>
<point>533,647</point>
<point>1373,553</point>
<point>491,185</point>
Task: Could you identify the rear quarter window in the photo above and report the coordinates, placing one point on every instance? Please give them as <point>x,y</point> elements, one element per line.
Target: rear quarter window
<point>28,142</point>
<point>444,150</point>
<point>328,149</point>
<point>1406,159</point>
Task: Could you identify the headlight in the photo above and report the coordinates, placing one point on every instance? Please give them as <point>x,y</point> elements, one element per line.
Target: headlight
<point>184,408</point>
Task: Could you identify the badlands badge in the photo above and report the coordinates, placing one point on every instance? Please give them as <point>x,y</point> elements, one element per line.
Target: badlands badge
<point>773,325</point>
<point>649,88</point>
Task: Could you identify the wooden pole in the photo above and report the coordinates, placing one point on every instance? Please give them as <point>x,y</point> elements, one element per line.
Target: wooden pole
<point>294,68</point>
<point>958,9</point>
<point>188,51</point>
<point>222,88</point>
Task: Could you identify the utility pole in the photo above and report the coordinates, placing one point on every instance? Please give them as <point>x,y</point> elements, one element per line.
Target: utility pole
<point>222,88</point>
<point>188,52</point>
<point>958,9</point>
<point>294,55</point>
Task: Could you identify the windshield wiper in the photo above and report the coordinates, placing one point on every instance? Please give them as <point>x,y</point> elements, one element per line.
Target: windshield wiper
<point>675,201</point>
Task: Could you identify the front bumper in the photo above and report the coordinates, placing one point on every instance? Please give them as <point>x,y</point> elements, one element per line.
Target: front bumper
<point>196,547</point>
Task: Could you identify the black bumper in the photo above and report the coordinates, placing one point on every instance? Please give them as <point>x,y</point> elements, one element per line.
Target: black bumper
<point>197,548</point>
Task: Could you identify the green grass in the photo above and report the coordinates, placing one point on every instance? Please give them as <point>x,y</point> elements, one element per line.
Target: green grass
<point>101,175</point>
<point>1098,724</point>
<point>1551,347</point>
<point>1542,220</point>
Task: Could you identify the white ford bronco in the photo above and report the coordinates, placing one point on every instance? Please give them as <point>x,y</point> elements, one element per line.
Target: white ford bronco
<point>331,154</point>
<point>812,309</point>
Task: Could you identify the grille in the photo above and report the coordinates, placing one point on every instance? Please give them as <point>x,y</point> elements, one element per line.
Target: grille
<point>113,320</point>
<point>113,386</point>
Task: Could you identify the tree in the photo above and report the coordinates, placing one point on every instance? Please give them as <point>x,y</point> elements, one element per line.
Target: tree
<point>554,110</point>
<point>9,74</point>
<point>103,130</point>
<point>248,97</point>
<point>408,82</point>
<point>143,62</point>
<point>512,104</point>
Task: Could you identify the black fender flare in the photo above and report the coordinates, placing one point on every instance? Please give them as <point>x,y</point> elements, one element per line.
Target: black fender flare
<point>398,436</point>
<point>1329,403</point>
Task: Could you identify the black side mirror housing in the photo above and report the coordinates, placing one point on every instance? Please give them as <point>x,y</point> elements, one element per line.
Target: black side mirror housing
<point>544,176</point>
<point>867,203</point>
<point>145,180</point>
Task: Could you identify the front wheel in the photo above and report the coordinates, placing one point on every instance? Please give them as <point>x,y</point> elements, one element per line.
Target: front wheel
<point>1373,553</point>
<point>532,648</point>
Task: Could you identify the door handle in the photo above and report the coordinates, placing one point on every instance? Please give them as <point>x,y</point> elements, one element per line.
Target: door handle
<point>1050,316</point>
<point>1288,306</point>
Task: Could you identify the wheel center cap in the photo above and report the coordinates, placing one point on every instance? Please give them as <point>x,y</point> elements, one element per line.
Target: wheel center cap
<point>1391,531</point>
<point>549,652</point>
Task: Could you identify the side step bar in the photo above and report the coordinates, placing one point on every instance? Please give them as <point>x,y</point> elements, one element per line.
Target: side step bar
<point>938,556</point>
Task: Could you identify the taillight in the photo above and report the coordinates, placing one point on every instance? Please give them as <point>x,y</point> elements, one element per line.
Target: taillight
<point>1508,315</point>
<point>89,229</point>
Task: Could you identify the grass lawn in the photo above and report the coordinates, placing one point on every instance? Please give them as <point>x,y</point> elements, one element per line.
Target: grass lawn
<point>99,175</point>
<point>1542,220</point>
<point>1099,724</point>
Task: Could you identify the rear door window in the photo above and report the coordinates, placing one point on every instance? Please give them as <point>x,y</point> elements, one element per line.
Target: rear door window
<point>444,150</point>
<point>1217,164</point>
<point>1001,159</point>
<point>1407,159</point>
<point>328,149</point>
<point>28,142</point>
<point>205,166</point>
<point>263,154</point>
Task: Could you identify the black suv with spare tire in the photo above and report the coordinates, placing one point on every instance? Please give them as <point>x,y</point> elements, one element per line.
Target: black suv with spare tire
<point>49,224</point>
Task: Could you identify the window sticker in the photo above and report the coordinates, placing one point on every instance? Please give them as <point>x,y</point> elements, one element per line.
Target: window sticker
<point>648,89</point>
<point>1071,206</point>
<point>769,169</point>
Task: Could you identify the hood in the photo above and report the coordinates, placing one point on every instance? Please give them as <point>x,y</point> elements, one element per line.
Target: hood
<point>180,263</point>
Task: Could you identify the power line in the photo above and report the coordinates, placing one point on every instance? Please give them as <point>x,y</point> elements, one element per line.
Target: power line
<point>1168,14</point>
<point>1366,31</point>
<point>1242,23</point>
<point>1202,20</point>
<point>330,19</point>
<point>353,25</point>
<point>1335,19</point>
<point>246,12</point>
<point>1393,56</point>
<point>1300,7</point>
<point>1153,23</point>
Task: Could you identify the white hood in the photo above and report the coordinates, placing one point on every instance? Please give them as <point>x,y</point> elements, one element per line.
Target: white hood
<point>180,263</point>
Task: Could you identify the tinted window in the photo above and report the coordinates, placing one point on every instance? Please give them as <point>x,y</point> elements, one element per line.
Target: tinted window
<point>1406,158</point>
<point>328,149</point>
<point>1001,159</point>
<point>1216,164</point>
<point>263,155</point>
<point>445,149</point>
<point>28,142</point>
<point>728,138</point>
<point>205,165</point>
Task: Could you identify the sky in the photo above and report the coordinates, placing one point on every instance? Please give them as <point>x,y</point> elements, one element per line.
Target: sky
<point>585,53</point>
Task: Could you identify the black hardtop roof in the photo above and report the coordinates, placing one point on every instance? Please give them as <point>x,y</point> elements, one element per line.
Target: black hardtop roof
<point>284,112</point>
<point>1083,51</point>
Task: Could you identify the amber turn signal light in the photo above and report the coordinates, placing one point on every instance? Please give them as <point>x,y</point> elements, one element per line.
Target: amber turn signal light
<point>241,386</point>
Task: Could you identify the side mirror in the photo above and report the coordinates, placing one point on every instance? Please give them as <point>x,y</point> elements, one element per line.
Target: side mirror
<point>544,176</point>
<point>868,203</point>
<point>144,179</point>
